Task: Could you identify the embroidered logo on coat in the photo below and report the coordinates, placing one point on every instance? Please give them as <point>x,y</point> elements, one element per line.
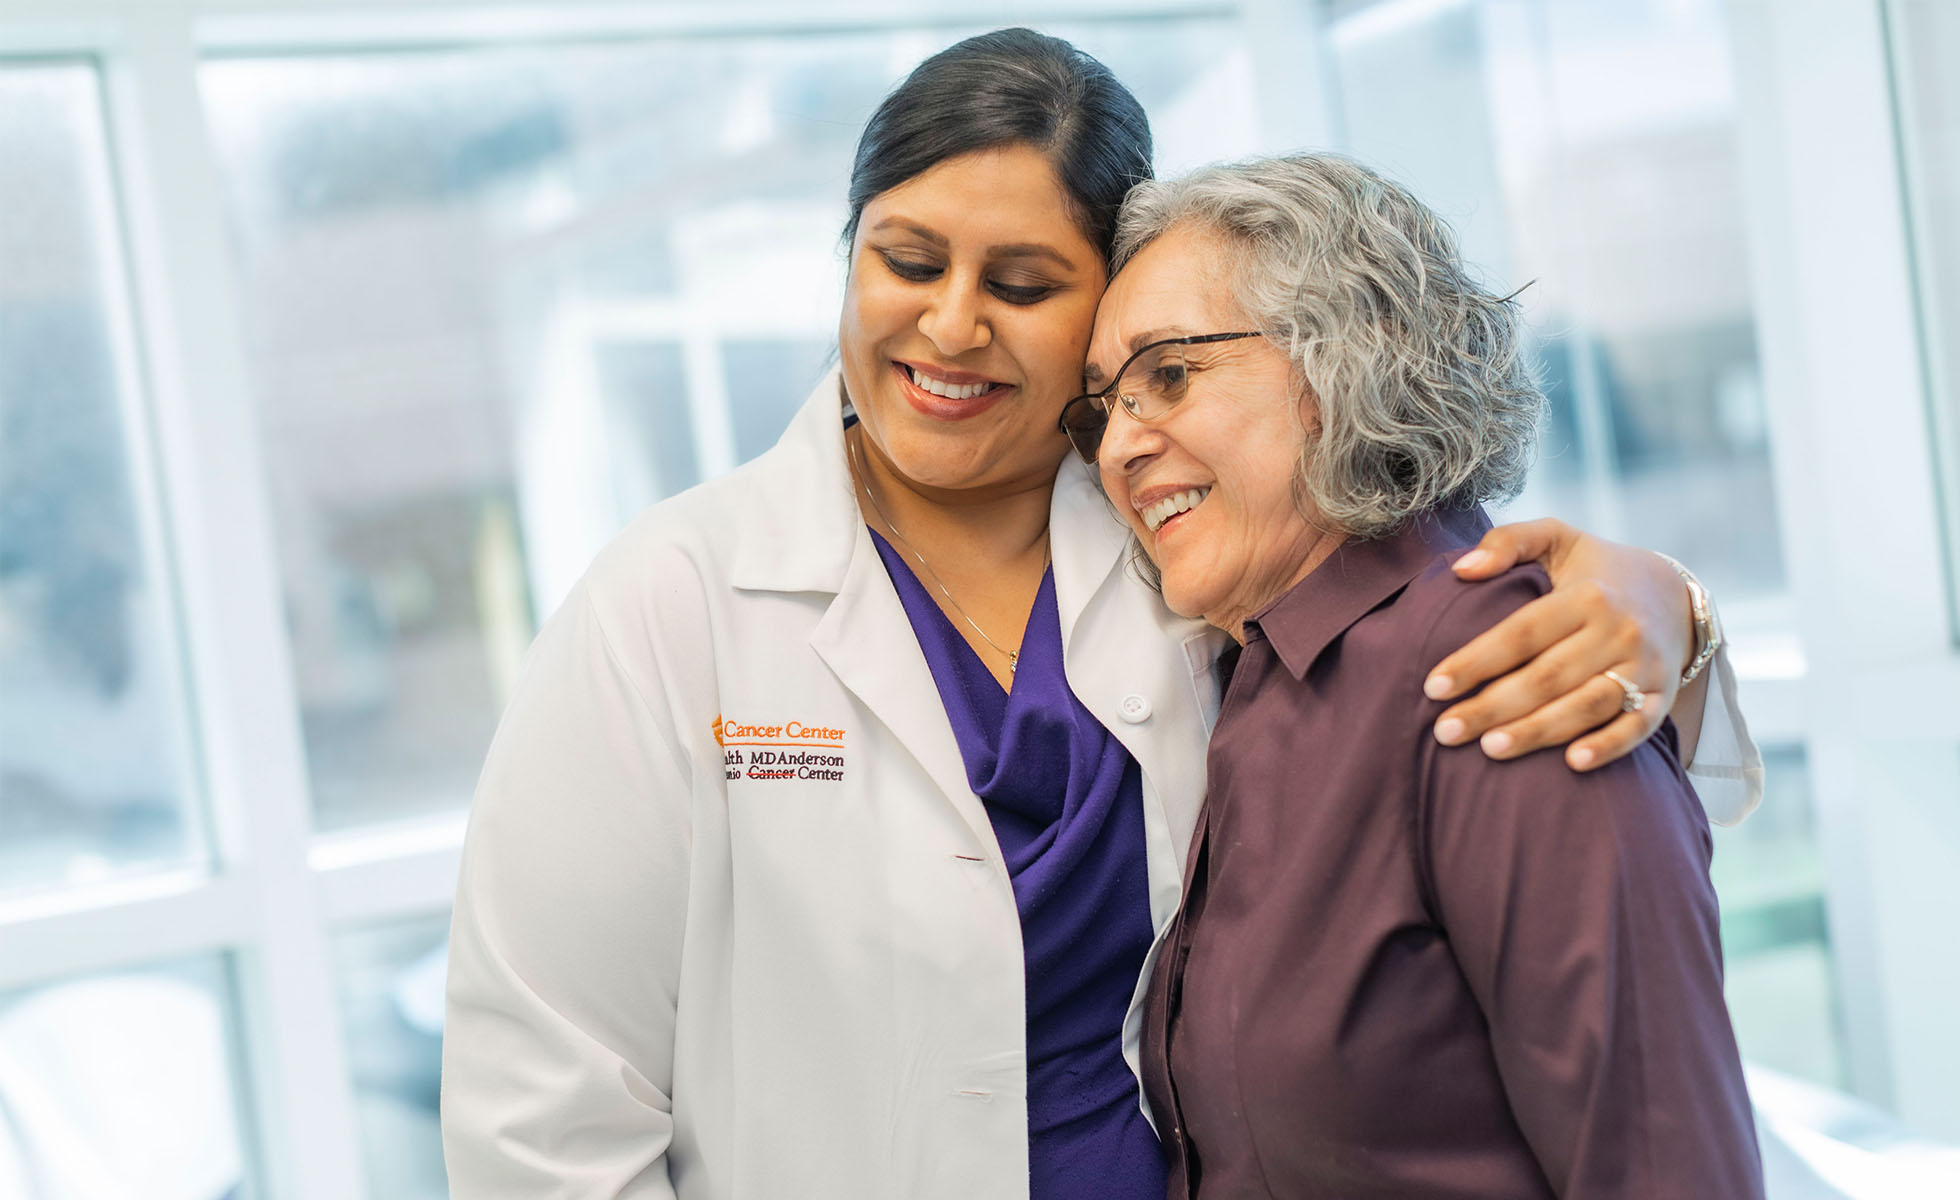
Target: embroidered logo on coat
<point>781,750</point>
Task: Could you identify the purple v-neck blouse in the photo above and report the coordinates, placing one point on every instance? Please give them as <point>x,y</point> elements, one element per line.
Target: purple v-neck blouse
<point>1066,802</point>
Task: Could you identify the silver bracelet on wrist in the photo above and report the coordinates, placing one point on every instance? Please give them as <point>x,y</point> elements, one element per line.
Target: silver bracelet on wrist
<point>1708,626</point>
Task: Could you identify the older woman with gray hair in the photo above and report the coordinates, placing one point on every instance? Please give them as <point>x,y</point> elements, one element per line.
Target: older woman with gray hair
<point>1402,969</point>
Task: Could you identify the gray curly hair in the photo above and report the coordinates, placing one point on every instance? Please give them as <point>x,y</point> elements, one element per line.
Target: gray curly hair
<point>1425,398</point>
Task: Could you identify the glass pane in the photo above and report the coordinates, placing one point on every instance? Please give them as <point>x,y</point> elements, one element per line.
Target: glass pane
<point>646,399</point>
<point>1536,128</point>
<point>1926,45</point>
<point>93,753</point>
<point>121,1085</point>
<point>501,299</point>
<point>756,400</point>
<point>391,993</point>
<point>1777,950</point>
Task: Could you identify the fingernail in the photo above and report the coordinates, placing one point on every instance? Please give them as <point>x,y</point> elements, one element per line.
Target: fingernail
<point>1583,758</point>
<point>1449,731</point>
<point>1473,560</point>
<point>1438,686</point>
<point>1496,742</point>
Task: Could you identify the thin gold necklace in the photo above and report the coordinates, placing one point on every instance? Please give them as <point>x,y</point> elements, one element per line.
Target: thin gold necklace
<point>862,476</point>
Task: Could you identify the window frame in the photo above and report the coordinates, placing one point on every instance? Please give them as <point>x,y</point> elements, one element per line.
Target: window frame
<point>1940,365</point>
<point>1872,700</point>
<point>1858,506</point>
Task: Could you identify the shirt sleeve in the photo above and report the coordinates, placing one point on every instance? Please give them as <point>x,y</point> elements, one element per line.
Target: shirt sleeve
<point>564,961</point>
<point>1580,911</point>
<point>1727,769</point>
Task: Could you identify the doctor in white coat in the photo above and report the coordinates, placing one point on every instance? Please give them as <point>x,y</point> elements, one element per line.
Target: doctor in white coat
<point>732,921</point>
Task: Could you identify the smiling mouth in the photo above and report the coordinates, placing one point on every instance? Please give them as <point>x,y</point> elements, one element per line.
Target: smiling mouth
<point>972,389</point>
<point>1173,505</point>
<point>952,391</point>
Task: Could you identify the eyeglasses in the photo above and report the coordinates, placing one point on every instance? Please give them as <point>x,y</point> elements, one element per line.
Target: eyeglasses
<point>1149,385</point>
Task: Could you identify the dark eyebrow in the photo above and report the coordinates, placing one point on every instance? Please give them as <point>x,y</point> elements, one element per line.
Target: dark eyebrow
<point>1012,250</point>
<point>1031,250</point>
<point>914,228</point>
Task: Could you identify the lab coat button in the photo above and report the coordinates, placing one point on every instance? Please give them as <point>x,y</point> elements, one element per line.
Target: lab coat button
<point>1136,709</point>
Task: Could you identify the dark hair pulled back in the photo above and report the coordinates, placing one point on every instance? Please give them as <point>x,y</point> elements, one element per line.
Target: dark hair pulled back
<point>1008,87</point>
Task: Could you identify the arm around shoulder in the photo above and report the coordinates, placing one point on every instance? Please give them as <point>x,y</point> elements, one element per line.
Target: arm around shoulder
<point>564,965</point>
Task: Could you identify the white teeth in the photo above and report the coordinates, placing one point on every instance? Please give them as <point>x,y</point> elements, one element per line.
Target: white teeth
<point>1163,510</point>
<point>950,391</point>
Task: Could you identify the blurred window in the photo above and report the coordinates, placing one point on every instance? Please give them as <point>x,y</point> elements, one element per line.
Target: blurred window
<point>500,296</point>
<point>94,767</point>
<point>121,1085</point>
<point>390,980</point>
<point>1537,129</point>
<point>1926,45</point>
<point>1776,946</point>
<point>500,299</point>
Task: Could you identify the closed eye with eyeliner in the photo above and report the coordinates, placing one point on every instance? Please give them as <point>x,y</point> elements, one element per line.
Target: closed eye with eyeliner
<point>925,270</point>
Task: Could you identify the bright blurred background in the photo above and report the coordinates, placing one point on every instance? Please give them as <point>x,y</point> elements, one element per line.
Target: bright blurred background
<point>336,336</point>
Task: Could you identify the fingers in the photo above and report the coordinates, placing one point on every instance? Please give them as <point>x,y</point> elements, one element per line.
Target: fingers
<point>1595,709</point>
<point>1618,739</point>
<point>1508,545</point>
<point>1562,693</point>
<point>1522,724</point>
<point>1536,692</point>
<point>1507,645</point>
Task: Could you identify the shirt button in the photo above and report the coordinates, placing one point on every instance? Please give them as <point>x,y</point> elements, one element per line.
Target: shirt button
<point>1136,709</point>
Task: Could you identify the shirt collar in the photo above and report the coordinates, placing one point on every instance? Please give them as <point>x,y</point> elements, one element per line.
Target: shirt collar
<point>1356,579</point>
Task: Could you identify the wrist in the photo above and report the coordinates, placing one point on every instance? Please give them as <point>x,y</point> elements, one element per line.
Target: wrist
<point>1705,624</point>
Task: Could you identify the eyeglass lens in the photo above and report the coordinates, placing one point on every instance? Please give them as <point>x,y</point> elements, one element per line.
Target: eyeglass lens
<point>1084,423</point>
<point>1153,382</point>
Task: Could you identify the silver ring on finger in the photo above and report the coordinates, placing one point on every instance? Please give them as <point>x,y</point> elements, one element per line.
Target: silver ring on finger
<point>1632,698</point>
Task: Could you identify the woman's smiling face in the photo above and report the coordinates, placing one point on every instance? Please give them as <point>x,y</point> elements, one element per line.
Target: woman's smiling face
<point>1232,445</point>
<point>971,296</point>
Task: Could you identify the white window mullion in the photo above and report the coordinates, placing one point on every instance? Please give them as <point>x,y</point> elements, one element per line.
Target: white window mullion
<point>151,919</point>
<point>388,875</point>
<point>214,488</point>
<point>1856,496</point>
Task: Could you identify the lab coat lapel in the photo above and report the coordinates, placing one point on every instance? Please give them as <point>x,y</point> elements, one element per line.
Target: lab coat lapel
<point>1088,542</point>
<point>795,528</point>
<point>805,535</point>
<point>1121,642</point>
<point>866,638</point>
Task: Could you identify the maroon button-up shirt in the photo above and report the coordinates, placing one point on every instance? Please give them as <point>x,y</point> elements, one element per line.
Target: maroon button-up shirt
<point>1404,970</point>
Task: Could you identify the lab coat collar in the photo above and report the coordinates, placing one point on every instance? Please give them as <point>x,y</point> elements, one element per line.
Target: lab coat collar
<point>803,525</point>
<point>807,535</point>
<point>806,526</point>
<point>1087,542</point>
<point>802,532</point>
<point>1092,547</point>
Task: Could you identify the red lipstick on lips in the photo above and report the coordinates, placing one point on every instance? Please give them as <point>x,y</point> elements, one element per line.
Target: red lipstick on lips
<point>944,408</point>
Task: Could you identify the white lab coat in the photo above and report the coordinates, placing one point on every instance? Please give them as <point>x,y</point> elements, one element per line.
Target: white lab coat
<point>671,978</point>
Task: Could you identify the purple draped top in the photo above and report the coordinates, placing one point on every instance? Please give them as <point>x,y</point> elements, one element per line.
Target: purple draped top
<point>1066,802</point>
